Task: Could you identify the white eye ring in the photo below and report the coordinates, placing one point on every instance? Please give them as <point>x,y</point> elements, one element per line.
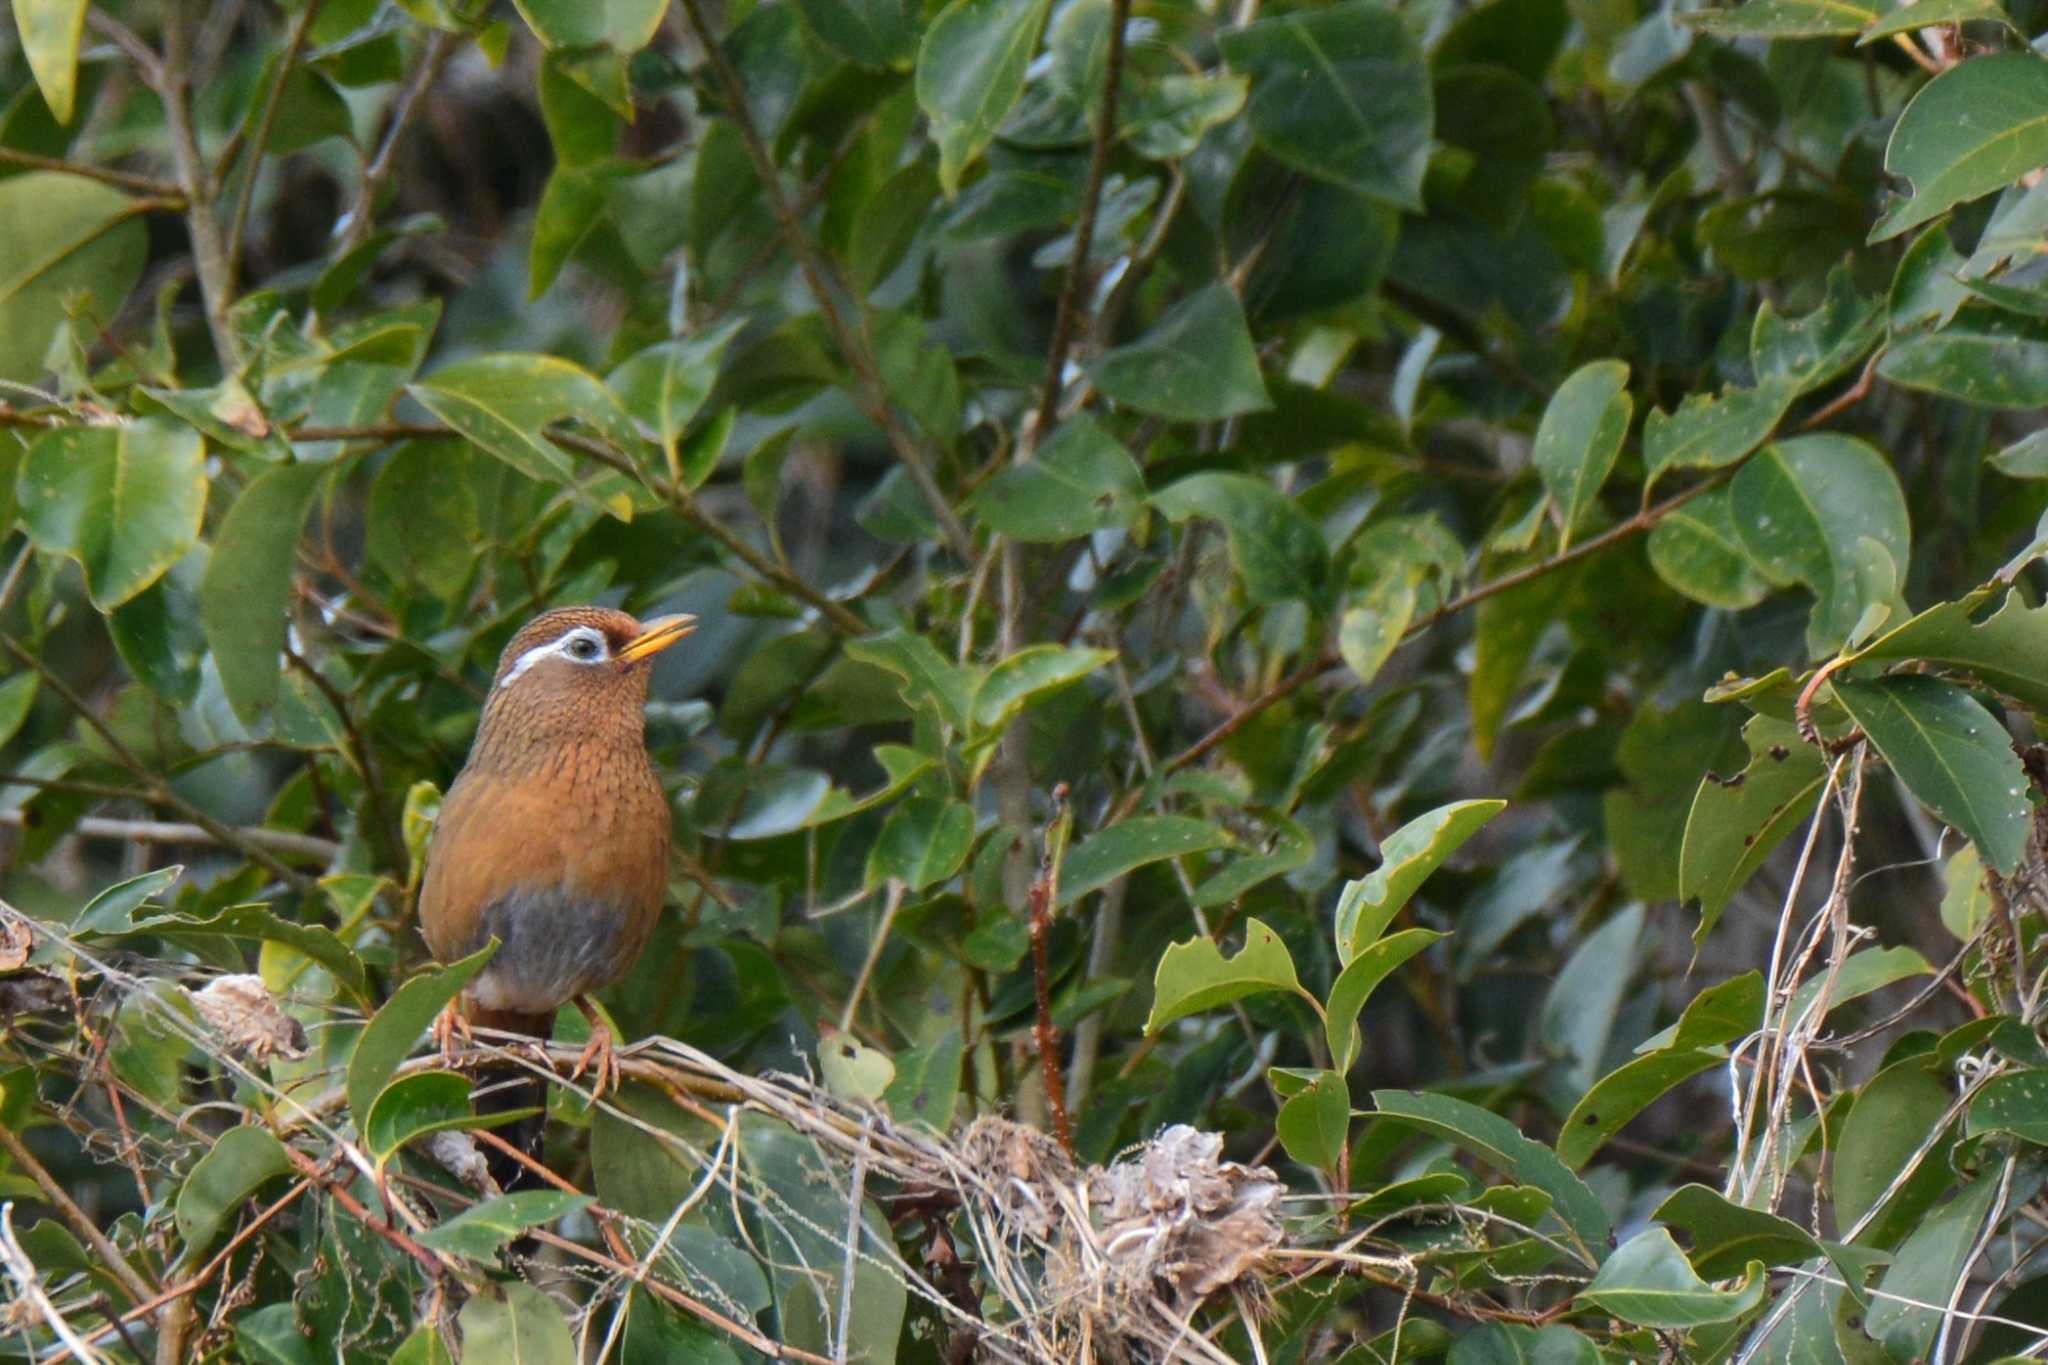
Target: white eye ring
<point>582,645</point>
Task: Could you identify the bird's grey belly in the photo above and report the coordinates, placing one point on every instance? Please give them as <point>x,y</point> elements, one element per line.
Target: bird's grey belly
<point>552,947</point>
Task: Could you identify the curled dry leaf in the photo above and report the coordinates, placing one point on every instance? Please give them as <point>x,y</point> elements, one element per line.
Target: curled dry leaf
<point>249,1019</point>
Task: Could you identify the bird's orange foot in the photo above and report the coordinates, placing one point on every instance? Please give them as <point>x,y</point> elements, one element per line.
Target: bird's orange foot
<point>597,1056</point>
<point>449,1025</point>
<point>600,1060</point>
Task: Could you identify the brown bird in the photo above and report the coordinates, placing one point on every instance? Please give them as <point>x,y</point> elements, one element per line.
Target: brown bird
<point>554,838</point>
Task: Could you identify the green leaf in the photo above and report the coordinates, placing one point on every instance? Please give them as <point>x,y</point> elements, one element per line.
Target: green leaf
<point>158,632</point>
<point>1580,437</point>
<point>970,70</point>
<point>1909,1303</point>
<point>930,680</point>
<point>1278,552</point>
<point>233,1167</point>
<point>664,385</point>
<point>1623,1093</point>
<point>1985,358</point>
<point>853,1069</point>
<point>1501,1145</point>
<point>1195,364</point>
<point>1925,13</point>
<point>1736,821</point>
<point>395,1028</point>
<point>510,1322</point>
<point>264,925</point>
<point>924,842</point>
<point>1036,669</point>
<point>1314,1122</point>
<point>1783,19</point>
<point>1407,857</point>
<point>2003,650</point>
<point>1727,1236</point>
<point>504,402</point>
<point>418,1104</point>
<point>1975,128</point>
<point>1130,844</point>
<point>477,1232</point>
<point>17,694</point>
<point>112,911</point>
<point>1372,627</point>
<point>927,1085</point>
<point>1709,431</point>
<point>2015,1103</point>
<point>878,33</point>
<point>1583,999</point>
<point>1195,976</point>
<point>1952,754</point>
<point>1342,93</point>
<point>50,30</point>
<point>124,501</point>
<point>1081,481</point>
<point>627,25</point>
<point>1698,551</point>
<point>1510,1343</point>
<point>1649,1282</point>
<point>247,590</point>
<point>1804,507</point>
<point>572,206</point>
<point>1356,983</point>
<point>423,1347</point>
<point>1895,1112</point>
<point>62,238</point>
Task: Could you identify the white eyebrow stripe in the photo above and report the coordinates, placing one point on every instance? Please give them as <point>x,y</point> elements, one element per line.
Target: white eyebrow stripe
<point>559,645</point>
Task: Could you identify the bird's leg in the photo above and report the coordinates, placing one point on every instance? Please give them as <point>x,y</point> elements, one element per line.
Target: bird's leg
<point>597,1054</point>
<point>448,1026</point>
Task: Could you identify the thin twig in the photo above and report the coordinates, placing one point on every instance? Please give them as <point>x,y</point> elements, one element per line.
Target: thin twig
<point>1045,890</point>
<point>239,221</point>
<point>209,248</point>
<point>139,184</point>
<point>362,214</point>
<point>310,847</point>
<point>138,1288</point>
<point>24,1272</point>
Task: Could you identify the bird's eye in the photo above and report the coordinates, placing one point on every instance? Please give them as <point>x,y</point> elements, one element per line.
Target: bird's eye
<point>583,647</point>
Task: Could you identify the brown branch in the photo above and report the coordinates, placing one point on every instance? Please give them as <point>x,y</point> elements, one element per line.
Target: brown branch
<point>1080,272</point>
<point>209,249</point>
<point>1044,892</point>
<point>436,1268</point>
<point>322,851</point>
<point>357,225</point>
<point>139,184</point>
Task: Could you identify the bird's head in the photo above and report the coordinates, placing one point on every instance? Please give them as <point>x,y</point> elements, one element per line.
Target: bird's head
<point>579,667</point>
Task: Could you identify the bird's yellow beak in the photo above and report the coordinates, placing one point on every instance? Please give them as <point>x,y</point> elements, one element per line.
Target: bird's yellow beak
<point>656,636</point>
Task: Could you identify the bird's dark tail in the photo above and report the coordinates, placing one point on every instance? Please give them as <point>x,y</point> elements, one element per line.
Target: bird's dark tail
<point>502,1087</point>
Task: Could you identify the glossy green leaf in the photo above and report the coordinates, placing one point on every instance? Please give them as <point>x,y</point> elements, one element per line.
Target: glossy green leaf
<point>418,1104</point>
<point>1708,431</point>
<point>1356,983</point>
<point>1195,364</point>
<point>1580,1007</point>
<point>478,1231</point>
<point>2015,1103</point>
<point>1804,507</point>
<point>50,30</point>
<point>1925,13</point>
<point>62,238</point>
<point>1648,1281</point>
<point>1082,480</point>
<point>2001,649</point>
<point>1278,552</point>
<point>17,694</point>
<point>512,1323</point>
<point>970,70</point>
<point>930,680</point>
<point>1727,1236</point>
<point>504,402</point>
<point>1032,671</point>
<point>1341,93</point>
<point>1895,1112</point>
<point>1698,551</point>
<point>112,911</point>
<point>572,207</point>
<point>423,1347</point>
<point>124,501</point>
<point>1407,857</point>
<point>1580,437</point>
<point>1196,976</point>
<point>927,1084</point>
<point>924,842</point>
<point>261,924</point>
<point>1784,19</point>
<point>1314,1122</point>
<point>664,385</point>
<point>158,632</point>
<point>1623,1093</point>
<point>1911,1300</point>
<point>1372,626</point>
<point>627,25</point>
<point>1952,754</point>
<point>1975,128</point>
<point>233,1168</point>
<point>1501,1145</point>
<point>1510,1343</point>
<point>853,1069</point>
<point>879,33</point>
<point>1737,819</point>
<point>1123,847</point>
<point>247,590</point>
<point>1984,358</point>
<point>396,1027</point>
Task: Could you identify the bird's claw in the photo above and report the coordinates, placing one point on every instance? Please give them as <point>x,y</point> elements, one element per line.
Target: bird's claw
<point>449,1025</point>
<point>599,1058</point>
